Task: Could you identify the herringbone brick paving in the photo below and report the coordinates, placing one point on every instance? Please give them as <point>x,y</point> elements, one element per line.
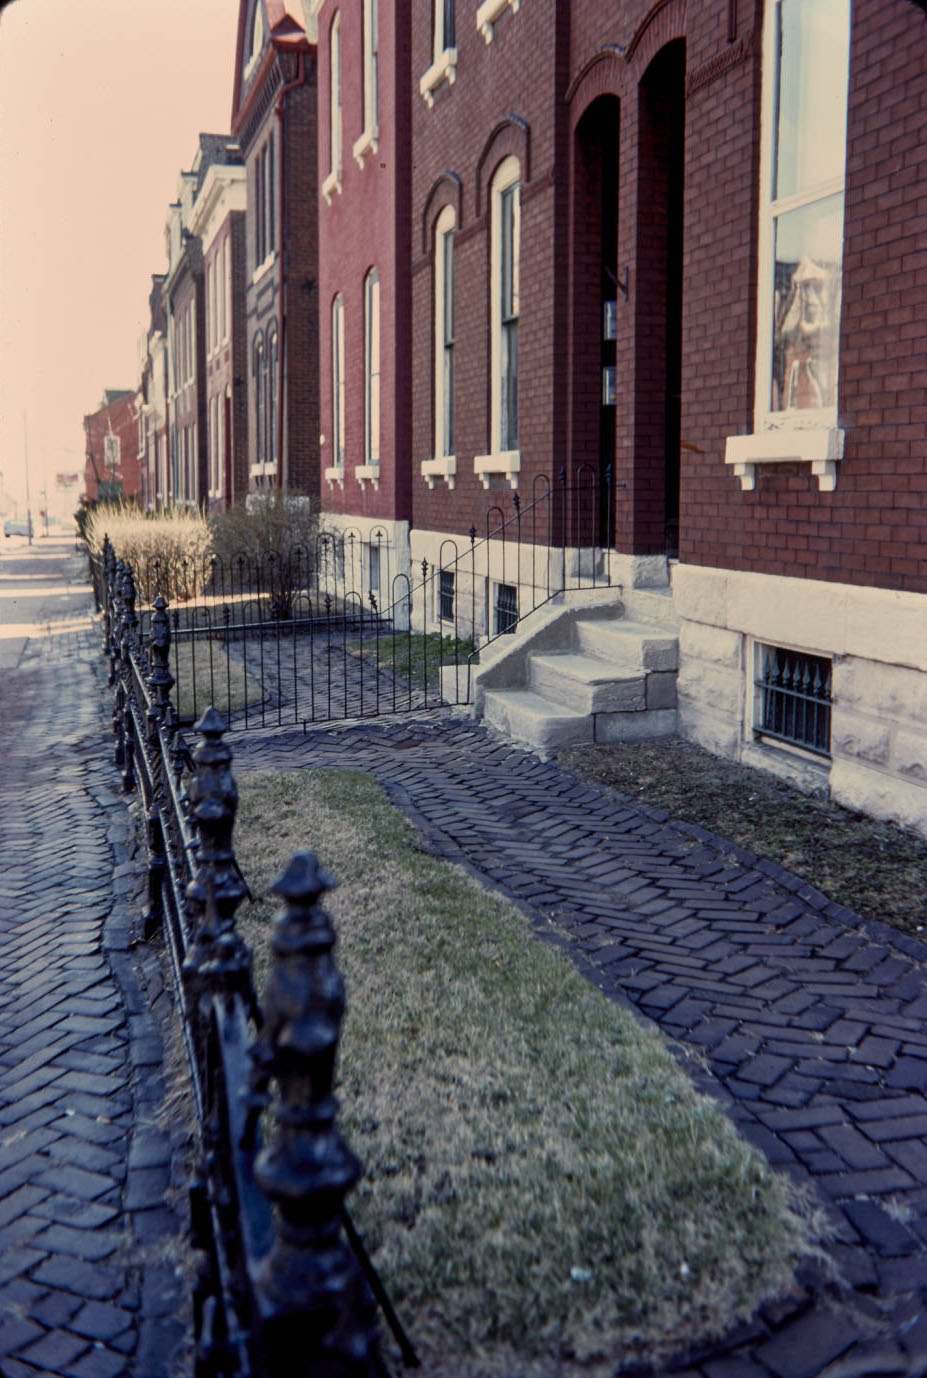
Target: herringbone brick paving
<point>808,1022</point>
<point>79,1054</point>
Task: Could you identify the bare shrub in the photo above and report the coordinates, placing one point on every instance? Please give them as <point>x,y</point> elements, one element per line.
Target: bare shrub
<point>270,541</point>
<point>169,551</point>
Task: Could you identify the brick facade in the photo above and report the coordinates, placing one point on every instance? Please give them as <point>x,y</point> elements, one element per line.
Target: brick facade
<point>114,468</point>
<point>275,104</point>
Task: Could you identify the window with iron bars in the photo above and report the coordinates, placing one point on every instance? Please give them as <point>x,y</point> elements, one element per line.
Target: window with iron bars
<point>793,698</point>
<point>506,608</point>
<point>446,596</point>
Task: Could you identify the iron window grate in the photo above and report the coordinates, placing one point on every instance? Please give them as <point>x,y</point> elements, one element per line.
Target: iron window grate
<point>506,608</point>
<point>794,698</point>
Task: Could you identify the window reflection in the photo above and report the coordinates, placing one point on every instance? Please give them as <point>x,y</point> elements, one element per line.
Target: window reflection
<point>806,307</point>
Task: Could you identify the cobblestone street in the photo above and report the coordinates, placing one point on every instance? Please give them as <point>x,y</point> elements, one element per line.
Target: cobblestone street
<point>804,1019</point>
<point>84,1159</point>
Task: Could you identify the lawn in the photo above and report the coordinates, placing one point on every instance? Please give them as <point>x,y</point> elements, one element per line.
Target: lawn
<point>415,655</point>
<point>875,868</point>
<point>545,1193</point>
<point>217,680</point>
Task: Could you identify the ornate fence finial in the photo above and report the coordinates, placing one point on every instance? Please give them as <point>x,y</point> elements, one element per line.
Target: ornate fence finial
<point>160,680</point>
<point>314,1301</point>
<point>130,616</point>
<point>218,959</point>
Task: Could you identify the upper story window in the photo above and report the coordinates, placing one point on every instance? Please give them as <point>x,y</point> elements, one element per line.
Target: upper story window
<point>444,50</point>
<point>371,81</point>
<point>444,26</point>
<point>444,333</point>
<point>257,370</point>
<point>805,113</point>
<point>264,204</point>
<point>338,382</point>
<point>270,370</point>
<point>332,182</point>
<point>255,38</point>
<point>223,288</point>
<point>372,367</point>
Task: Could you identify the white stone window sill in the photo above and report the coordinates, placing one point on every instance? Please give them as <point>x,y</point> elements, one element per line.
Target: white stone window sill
<point>507,463</point>
<point>822,449</point>
<point>264,267</point>
<point>488,13</point>
<point>259,470</point>
<point>334,474</point>
<point>444,68</point>
<point>331,185</point>
<point>369,142</point>
<point>445,468</point>
<point>368,473</point>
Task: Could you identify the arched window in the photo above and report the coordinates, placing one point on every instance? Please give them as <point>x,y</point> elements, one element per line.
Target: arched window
<point>372,367</point>
<point>504,303</point>
<point>444,332</point>
<point>338,382</point>
<point>258,372</point>
<point>272,396</point>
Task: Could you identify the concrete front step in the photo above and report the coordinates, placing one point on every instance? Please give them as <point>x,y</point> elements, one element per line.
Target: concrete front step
<point>651,606</point>
<point>587,683</point>
<point>527,717</point>
<point>640,645</point>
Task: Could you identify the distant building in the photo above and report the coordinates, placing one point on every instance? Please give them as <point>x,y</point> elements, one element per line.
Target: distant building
<point>218,220</point>
<point>111,468</point>
<point>151,401</point>
<point>274,122</point>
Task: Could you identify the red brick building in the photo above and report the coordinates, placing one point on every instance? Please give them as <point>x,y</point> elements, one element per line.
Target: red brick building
<point>274,122</point>
<point>111,469</point>
<point>151,401</point>
<point>365,339</point>
<point>218,220</point>
<point>686,248</point>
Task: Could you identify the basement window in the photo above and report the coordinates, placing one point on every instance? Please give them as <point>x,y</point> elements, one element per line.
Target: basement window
<point>446,596</point>
<point>506,609</point>
<point>793,698</point>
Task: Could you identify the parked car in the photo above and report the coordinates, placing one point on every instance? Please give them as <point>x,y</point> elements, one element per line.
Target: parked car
<point>13,527</point>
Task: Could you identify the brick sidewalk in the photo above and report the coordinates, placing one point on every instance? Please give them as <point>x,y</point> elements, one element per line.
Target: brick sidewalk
<point>84,1164</point>
<point>811,1019</point>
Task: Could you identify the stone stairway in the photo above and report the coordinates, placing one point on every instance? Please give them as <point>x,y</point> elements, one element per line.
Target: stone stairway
<point>600,674</point>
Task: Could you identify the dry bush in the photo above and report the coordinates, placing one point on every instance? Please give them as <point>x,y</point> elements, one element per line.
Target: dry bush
<point>269,541</point>
<point>169,551</point>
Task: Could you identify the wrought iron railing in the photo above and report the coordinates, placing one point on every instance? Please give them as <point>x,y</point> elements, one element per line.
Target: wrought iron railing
<point>282,1271</point>
<point>305,638</point>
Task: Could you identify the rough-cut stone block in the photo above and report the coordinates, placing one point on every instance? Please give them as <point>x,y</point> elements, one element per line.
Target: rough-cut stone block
<point>865,738</point>
<point>890,691</point>
<point>874,792</point>
<point>661,690</point>
<point>909,756</point>
<point>715,686</point>
<point>717,645</point>
<point>700,594</point>
<point>635,727</point>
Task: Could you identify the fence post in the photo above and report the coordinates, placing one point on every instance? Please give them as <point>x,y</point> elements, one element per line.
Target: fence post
<point>312,1296</point>
<point>218,961</point>
<point>160,679</point>
<point>104,576</point>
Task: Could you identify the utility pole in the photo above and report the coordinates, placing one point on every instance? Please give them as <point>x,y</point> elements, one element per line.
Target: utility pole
<point>28,499</point>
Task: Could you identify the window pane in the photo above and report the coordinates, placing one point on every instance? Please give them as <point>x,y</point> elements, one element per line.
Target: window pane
<point>509,436</point>
<point>506,256</point>
<point>806,306</point>
<point>449,287</point>
<point>449,399</point>
<point>813,52</point>
<point>448,22</point>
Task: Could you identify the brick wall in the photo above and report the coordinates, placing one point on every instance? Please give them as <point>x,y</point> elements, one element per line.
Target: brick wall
<point>120,419</point>
<point>367,225</point>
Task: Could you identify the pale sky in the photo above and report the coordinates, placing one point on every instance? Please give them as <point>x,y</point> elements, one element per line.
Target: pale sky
<point>101,102</point>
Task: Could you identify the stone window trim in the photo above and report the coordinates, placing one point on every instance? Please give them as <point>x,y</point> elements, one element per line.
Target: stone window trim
<point>488,14</point>
<point>506,463</point>
<point>368,473</point>
<point>443,69</point>
<point>502,459</point>
<point>443,463</point>
<point>264,267</point>
<point>446,468</point>
<point>338,382</point>
<point>333,181</point>
<point>810,435</point>
<point>333,474</point>
<point>369,140</point>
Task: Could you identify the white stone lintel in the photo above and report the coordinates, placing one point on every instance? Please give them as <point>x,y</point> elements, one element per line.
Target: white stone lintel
<point>821,448</point>
<point>334,474</point>
<point>368,473</point>
<point>507,463</point>
<point>446,468</point>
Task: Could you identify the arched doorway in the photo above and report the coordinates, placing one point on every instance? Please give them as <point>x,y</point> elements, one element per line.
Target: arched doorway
<point>658,322</point>
<point>595,290</point>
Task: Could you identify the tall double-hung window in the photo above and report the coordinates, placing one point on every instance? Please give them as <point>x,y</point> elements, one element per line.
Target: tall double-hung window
<point>370,132</point>
<point>507,207</point>
<point>332,182</point>
<point>444,333</point>
<point>338,382</point>
<point>372,367</point>
<point>444,26</point>
<point>805,99</point>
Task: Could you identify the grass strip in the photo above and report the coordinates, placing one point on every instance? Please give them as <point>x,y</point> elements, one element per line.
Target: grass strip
<point>415,655</point>
<point>217,680</point>
<point>544,1192</point>
<point>875,868</point>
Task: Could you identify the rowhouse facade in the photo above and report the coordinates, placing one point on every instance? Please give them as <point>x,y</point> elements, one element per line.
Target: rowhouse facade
<point>111,468</point>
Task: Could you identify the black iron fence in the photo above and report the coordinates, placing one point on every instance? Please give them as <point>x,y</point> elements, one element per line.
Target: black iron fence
<point>282,1271</point>
<point>340,630</point>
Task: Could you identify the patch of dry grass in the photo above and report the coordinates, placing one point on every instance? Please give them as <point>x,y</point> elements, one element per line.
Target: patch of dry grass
<point>544,1189</point>
<point>202,680</point>
<point>875,868</point>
